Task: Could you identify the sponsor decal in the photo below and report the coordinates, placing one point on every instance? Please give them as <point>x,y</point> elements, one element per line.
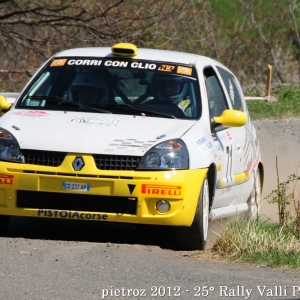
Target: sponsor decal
<point>95,121</point>
<point>228,135</point>
<point>65,214</point>
<point>125,64</point>
<point>231,91</point>
<point>224,138</point>
<point>225,191</point>
<point>219,167</point>
<point>218,147</point>
<point>161,136</point>
<point>184,70</point>
<point>134,65</point>
<point>84,62</point>
<point>204,143</point>
<point>162,190</point>
<point>256,161</point>
<point>201,141</point>
<point>112,63</point>
<point>166,68</point>
<point>143,66</point>
<point>6,179</point>
<point>58,62</point>
<point>31,113</point>
<point>248,166</point>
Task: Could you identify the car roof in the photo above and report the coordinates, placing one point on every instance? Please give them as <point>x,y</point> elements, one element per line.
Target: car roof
<point>143,53</point>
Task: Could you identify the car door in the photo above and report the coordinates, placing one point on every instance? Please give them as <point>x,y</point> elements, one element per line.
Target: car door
<point>229,144</point>
<point>246,139</point>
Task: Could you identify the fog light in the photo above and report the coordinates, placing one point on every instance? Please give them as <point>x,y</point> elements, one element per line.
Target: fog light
<point>163,206</point>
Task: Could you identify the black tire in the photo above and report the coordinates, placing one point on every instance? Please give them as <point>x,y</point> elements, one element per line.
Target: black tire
<point>254,201</point>
<point>4,224</point>
<point>195,236</point>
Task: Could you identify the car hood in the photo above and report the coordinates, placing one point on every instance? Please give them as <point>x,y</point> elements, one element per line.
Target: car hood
<point>96,133</point>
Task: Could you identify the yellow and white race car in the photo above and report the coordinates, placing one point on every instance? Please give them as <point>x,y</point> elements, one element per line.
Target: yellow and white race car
<point>130,135</point>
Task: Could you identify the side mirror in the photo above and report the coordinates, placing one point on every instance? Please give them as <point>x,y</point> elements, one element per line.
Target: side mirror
<point>231,118</point>
<point>4,104</point>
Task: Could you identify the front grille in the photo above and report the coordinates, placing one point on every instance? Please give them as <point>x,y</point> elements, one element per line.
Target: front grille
<point>116,162</point>
<point>76,202</point>
<point>44,158</point>
<point>103,162</point>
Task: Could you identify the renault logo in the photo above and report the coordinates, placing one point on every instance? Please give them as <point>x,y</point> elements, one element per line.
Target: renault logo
<point>78,164</point>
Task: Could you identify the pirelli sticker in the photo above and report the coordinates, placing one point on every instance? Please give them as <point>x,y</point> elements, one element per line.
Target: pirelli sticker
<point>162,190</point>
<point>8,180</point>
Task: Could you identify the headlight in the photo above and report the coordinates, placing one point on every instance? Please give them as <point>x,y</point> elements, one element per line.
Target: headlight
<point>171,154</point>
<point>9,147</point>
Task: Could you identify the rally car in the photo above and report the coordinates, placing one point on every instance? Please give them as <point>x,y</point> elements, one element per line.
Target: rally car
<point>130,135</point>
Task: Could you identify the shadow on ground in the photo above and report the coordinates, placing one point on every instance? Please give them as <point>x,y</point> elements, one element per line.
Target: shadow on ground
<point>66,230</point>
<point>38,228</point>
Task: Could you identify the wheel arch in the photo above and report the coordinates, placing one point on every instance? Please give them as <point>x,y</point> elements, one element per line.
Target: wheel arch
<point>261,169</point>
<point>212,181</point>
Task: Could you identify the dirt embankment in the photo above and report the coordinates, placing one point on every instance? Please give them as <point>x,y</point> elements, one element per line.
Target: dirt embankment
<point>278,139</point>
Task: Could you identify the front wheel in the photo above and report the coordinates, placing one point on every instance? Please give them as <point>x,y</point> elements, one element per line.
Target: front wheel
<point>194,237</point>
<point>254,201</point>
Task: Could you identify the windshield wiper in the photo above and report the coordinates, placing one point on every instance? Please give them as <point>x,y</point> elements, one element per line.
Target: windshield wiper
<point>60,101</point>
<point>55,100</point>
<point>125,106</point>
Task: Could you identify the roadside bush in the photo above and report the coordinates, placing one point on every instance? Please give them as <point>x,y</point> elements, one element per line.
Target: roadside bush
<point>258,242</point>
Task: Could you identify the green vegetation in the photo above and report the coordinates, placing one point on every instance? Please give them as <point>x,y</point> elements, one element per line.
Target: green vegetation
<point>287,102</point>
<point>259,242</point>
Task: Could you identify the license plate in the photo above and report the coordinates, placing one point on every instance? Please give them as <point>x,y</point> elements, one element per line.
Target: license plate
<point>75,186</point>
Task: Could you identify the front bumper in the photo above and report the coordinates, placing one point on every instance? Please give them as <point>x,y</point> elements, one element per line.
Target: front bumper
<point>111,196</point>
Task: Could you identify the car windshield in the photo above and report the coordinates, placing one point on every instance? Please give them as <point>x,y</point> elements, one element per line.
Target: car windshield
<point>114,85</point>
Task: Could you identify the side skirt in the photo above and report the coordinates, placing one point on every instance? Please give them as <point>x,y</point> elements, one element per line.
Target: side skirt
<point>228,211</point>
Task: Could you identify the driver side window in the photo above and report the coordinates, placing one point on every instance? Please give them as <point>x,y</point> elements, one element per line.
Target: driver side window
<point>215,94</point>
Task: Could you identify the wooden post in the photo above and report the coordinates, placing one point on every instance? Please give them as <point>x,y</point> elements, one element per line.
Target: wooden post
<point>269,80</point>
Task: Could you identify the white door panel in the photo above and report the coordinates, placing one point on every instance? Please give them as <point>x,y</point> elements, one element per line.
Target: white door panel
<point>229,145</point>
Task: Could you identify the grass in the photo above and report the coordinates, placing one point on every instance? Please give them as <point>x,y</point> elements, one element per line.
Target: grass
<point>259,242</point>
<point>287,102</point>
